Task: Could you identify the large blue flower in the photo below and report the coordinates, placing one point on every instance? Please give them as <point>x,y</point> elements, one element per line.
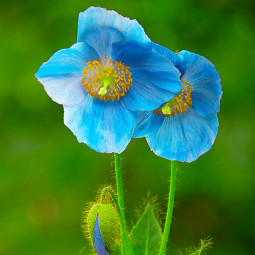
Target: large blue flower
<point>112,71</point>
<point>185,127</point>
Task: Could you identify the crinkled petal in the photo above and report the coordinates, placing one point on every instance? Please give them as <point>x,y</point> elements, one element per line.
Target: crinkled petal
<point>184,137</point>
<point>96,17</point>
<point>61,75</point>
<point>155,79</point>
<point>104,127</point>
<point>143,57</point>
<point>168,54</point>
<point>147,124</point>
<point>204,79</point>
<point>98,240</point>
<point>102,40</point>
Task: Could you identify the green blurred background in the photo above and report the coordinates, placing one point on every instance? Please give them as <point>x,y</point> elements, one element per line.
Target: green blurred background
<point>47,177</point>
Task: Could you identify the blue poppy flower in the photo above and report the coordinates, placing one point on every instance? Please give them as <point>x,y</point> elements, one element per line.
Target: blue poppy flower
<point>186,126</point>
<point>112,71</point>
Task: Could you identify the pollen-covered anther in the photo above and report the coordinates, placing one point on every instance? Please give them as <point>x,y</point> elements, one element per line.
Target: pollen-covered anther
<point>106,80</point>
<point>178,104</point>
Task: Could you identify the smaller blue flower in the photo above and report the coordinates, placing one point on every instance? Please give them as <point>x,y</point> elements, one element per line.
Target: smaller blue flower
<point>186,126</point>
<point>98,240</point>
<point>112,71</point>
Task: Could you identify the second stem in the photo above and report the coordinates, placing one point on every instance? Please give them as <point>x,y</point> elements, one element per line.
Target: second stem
<point>170,208</point>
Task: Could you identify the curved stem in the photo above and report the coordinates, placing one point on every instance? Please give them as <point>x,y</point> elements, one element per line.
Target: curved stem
<point>114,199</point>
<point>126,249</point>
<point>169,209</point>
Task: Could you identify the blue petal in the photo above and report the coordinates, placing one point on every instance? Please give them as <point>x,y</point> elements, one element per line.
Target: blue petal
<point>61,75</point>
<point>168,54</point>
<point>144,57</point>
<point>98,240</point>
<point>204,79</point>
<point>103,126</point>
<point>155,79</point>
<point>96,17</point>
<point>102,40</point>
<point>184,137</point>
<point>147,124</point>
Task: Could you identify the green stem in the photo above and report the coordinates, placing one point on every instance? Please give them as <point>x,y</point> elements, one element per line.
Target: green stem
<point>126,249</point>
<point>169,209</point>
<point>113,196</point>
<point>119,184</point>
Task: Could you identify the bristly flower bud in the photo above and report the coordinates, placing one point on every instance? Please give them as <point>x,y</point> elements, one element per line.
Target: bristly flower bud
<point>102,225</point>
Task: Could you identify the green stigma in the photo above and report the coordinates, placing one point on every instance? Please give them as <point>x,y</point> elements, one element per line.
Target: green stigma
<point>103,90</point>
<point>166,109</point>
<point>106,80</point>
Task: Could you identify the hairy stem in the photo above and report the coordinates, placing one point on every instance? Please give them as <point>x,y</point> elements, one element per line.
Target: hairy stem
<point>169,209</point>
<point>113,196</point>
<point>126,249</point>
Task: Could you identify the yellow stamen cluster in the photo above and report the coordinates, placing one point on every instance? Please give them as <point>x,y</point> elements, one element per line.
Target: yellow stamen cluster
<point>178,104</point>
<point>106,80</point>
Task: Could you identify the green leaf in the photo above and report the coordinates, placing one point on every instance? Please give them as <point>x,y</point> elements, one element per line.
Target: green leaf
<point>146,235</point>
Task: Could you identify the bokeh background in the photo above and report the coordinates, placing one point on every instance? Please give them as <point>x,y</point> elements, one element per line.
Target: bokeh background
<point>47,177</point>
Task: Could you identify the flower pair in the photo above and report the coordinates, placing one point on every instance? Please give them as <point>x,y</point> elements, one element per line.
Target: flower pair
<point>115,84</point>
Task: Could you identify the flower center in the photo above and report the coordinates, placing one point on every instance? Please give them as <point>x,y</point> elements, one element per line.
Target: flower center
<point>178,104</point>
<point>106,80</point>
